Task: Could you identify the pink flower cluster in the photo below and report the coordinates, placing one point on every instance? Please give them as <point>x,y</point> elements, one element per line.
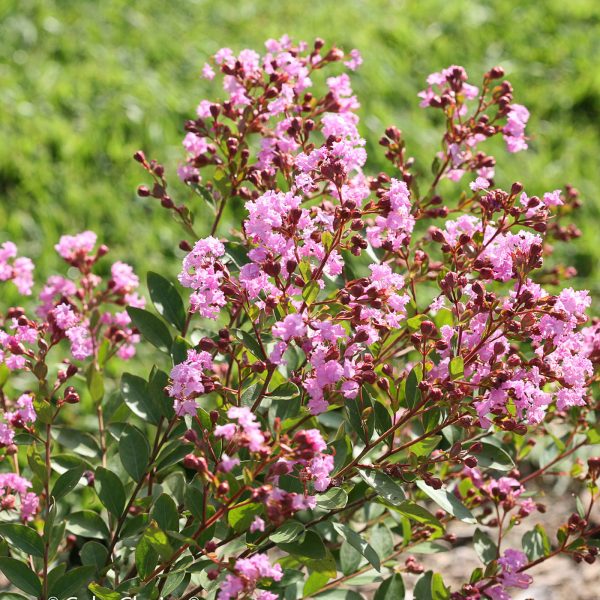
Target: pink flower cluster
<point>65,307</point>
<point>23,417</point>
<point>203,273</point>
<point>510,562</point>
<point>189,382</point>
<point>11,484</point>
<point>17,269</point>
<point>247,574</point>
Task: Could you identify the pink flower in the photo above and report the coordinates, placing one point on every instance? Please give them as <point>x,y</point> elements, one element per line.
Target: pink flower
<point>247,432</point>
<point>188,382</point>
<point>20,271</point>
<point>123,278</point>
<point>11,483</point>
<point>291,326</point>
<point>514,130</point>
<point>257,525</point>
<point>81,342</point>
<point>194,144</point>
<point>397,223</point>
<point>481,183</point>
<point>227,463</point>
<point>56,287</point>
<point>355,60</point>
<point>65,317</point>
<point>71,247</point>
<point>203,274</point>
<point>207,72</point>
<point>320,469</point>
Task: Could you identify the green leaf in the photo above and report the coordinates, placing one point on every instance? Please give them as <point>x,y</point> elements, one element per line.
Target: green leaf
<point>332,498</point>
<point>95,383</point>
<point>492,457</point>
<point>412,392</point>
<point>94,554</point>
<point>391,589</point>
<point>448,501</point>
<point>110,490</point>
<point>165,513</point>
<point>20,575</point>
<point>179,349</point>
<point>484,546</point>
<point>146,557</point>
<point>438,590</point>
<point>310,292</point>
<point>383,419</point>
<point>151,328</point>
<point>72,581</point>
<point>417,513</point>
<point>67,482</point>
<point>22,537</point>
<point>382,541</point>
<point>250,343</point>
<point>287,533</point>
<point>103,593</point>
<point>457,367</point>
<point>536,543</point>
<point>384,485</point>
<point>359,543</point>
<point>240,517</point>
<point>134,452</point>
<point>87,524</point>
<point>310,547</point>
<point>426,446</point>
<point>157,538</point>
<point>321,571</point>
<point>80,442</point>
<point>350,558</point>
<point>141,402</point>
<point>166,300</point>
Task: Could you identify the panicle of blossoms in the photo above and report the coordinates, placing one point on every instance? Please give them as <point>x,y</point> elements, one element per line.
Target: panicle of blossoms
<point>22,418</point>
<point>510,562</point>
<point>449,91</point>
<point>205,275</point>
<point>13,486</point>
<point>247,573</point>
<point>188,381</point>
<point>19,270</point>
<point>66,306</point>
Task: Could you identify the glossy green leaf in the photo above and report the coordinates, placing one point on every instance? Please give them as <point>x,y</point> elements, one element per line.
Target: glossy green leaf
<point>138,398</point>
<point>165,513</point>
<point>166,300</point>
<point>110,490</point>
<point>87,523</point>
<point>359,543</point>
<point>310,547</point>
<point>287,533</point>
<point>72,582</point>
<point>67,482</point>
<point>20,575</point>
<point>384,485</point>
<point>391,589</point>
<point>448,501</point>
<point>484,546</point>
<point>22,537</point>
<point>134,452</point>
<point>334,497</point>
<point>151,328</point>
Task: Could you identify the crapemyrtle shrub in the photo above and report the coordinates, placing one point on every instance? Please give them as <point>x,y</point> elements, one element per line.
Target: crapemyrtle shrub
<point>347,365</point>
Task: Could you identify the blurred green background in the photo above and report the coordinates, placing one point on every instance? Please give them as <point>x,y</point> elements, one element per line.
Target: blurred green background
<point>83,84</point>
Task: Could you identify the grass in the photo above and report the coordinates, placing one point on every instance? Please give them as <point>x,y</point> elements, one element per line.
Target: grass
<point>84,84</point>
